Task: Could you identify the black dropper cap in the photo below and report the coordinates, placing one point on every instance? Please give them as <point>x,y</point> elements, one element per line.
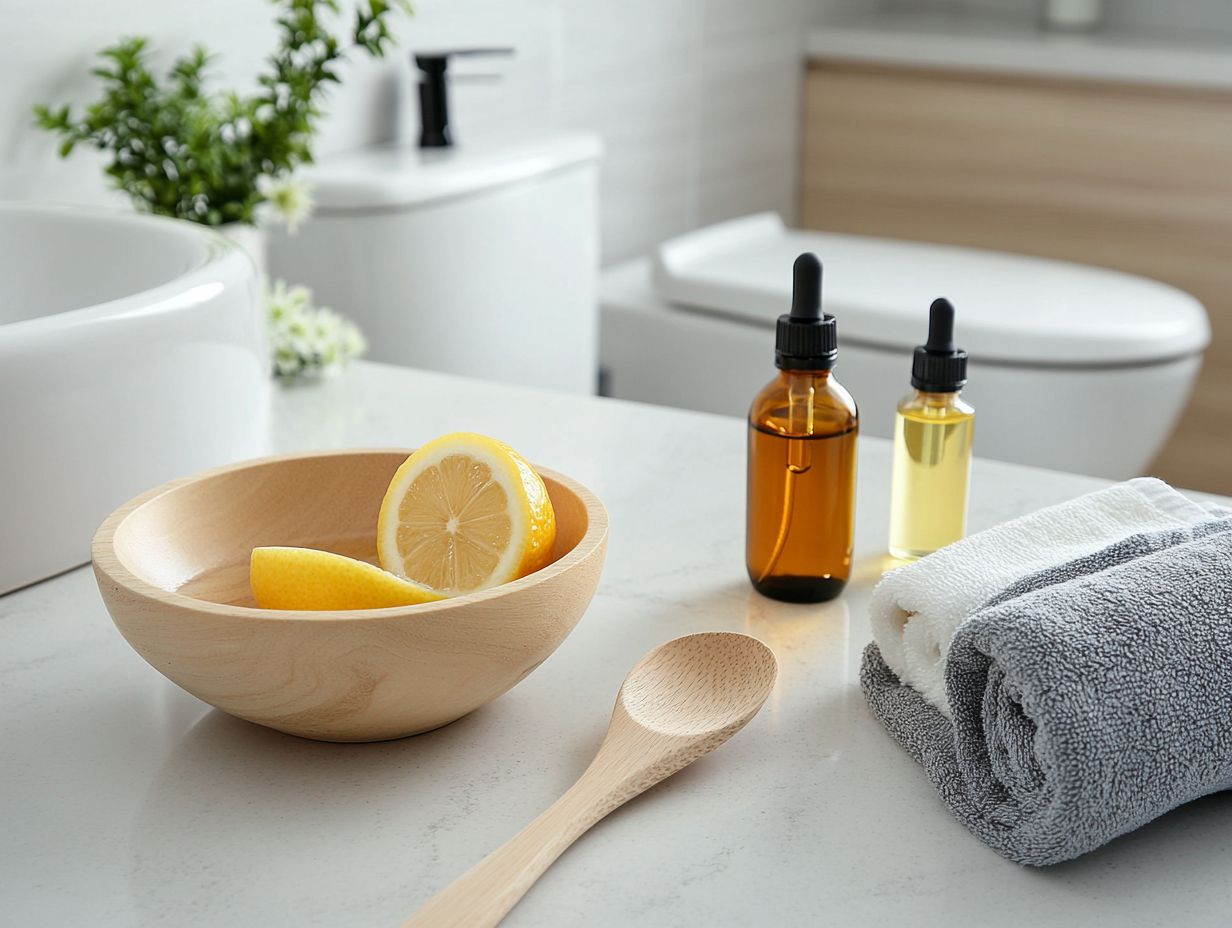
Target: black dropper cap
<point>807,338</point>
<point>939,367</point>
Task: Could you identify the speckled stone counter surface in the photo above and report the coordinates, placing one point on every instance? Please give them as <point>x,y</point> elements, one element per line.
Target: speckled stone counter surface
<point>124,801</point>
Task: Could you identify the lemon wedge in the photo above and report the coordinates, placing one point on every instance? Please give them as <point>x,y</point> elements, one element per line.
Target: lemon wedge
<point>304,578</point>
<point>463,513</point>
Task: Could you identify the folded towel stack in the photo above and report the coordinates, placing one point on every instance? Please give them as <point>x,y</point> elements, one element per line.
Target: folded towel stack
<point>915,610</point>
<point>1086,698</point>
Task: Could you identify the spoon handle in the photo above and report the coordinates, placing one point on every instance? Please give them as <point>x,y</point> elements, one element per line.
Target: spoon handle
<point>483,895</point>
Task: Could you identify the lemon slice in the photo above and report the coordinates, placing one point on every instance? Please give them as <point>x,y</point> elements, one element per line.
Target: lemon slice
<point>303,578</point>
<point>463,513</point>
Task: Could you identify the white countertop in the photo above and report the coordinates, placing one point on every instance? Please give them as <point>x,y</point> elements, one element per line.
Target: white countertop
<point>124,801</point>
<point>1011,45</point>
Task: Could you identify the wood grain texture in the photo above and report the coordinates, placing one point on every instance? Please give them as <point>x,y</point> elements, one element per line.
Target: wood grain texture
<point>681,701</point>
<point>172,568</point>
<point>1127,177</point>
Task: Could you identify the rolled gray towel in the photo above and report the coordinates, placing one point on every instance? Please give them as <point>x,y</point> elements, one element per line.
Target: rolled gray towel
<point>1087,699</point>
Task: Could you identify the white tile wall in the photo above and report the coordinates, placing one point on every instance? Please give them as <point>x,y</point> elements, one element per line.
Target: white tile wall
<point>697,100</point>
<point>750,103</point>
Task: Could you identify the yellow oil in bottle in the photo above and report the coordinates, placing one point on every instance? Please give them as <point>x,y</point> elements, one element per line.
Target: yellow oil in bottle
<point>932,445</point>
<point>933,434</point>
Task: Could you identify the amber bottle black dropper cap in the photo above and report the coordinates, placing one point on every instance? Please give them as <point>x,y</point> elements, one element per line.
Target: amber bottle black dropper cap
<point>807,338</point>
<point>939,367</point>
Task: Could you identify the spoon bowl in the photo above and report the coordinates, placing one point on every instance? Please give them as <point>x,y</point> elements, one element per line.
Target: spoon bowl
<point>680,701</point>
<point>699,684</point>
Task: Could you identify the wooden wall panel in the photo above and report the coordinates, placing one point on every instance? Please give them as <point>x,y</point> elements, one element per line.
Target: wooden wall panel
<point>1129,177</point>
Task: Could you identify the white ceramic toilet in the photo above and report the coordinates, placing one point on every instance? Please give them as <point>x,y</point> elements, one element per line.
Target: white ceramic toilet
<point>478,259</point>
<point>1074,368</point>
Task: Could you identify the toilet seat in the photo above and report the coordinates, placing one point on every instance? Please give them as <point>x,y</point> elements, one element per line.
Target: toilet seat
<point>1012,309</point>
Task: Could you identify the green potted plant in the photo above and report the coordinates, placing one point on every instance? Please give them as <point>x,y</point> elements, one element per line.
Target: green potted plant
<point>222,158</point>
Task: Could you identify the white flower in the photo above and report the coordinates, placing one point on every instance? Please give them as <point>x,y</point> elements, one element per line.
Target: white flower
<point>286,303</point>
<point>306,340</point>
<point>289,197</point>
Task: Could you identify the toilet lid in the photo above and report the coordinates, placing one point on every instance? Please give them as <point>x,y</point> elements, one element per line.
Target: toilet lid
<point>1010,308</point>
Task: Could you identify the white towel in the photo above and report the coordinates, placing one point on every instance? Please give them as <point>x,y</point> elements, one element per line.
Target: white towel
<point>916,609</point>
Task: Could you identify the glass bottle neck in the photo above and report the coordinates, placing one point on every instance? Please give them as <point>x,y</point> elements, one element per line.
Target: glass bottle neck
<point>928,398</point>
<point>797,376</point>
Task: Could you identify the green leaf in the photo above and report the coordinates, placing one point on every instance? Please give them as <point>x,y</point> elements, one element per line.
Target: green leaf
<point>178,149</point>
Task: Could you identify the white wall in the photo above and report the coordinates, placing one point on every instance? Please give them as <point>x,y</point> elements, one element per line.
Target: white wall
<point>698,100</point>
<point>1201,18</point>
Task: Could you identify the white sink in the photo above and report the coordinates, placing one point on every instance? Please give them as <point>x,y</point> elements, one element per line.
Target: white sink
<point>131,352</point>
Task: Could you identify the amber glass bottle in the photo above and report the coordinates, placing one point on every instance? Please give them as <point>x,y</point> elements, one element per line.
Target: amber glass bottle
<point>802,459</point>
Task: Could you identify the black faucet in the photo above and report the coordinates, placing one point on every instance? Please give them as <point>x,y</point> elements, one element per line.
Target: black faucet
<point>434,95</point>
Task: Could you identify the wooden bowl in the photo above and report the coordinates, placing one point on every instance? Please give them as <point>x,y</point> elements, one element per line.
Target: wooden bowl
<point>172,566</point>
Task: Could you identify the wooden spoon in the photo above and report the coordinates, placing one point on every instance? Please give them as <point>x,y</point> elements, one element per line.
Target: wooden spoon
<point>681,701</point>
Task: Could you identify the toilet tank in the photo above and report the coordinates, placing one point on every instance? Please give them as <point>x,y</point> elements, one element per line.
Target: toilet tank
<point>481,259</point>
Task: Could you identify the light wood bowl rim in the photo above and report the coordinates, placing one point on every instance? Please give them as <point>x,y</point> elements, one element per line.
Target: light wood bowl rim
<point>109,564</point>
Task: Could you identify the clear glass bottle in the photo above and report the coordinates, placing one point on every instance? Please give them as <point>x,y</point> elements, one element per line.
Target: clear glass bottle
<point>803,428</point>
<point>933,432</point>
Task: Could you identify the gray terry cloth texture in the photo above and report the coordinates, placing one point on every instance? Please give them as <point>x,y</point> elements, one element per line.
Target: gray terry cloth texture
<point>1087,699</point>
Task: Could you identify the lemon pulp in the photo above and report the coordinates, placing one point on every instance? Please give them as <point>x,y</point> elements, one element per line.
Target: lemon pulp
<point>465,512</point>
